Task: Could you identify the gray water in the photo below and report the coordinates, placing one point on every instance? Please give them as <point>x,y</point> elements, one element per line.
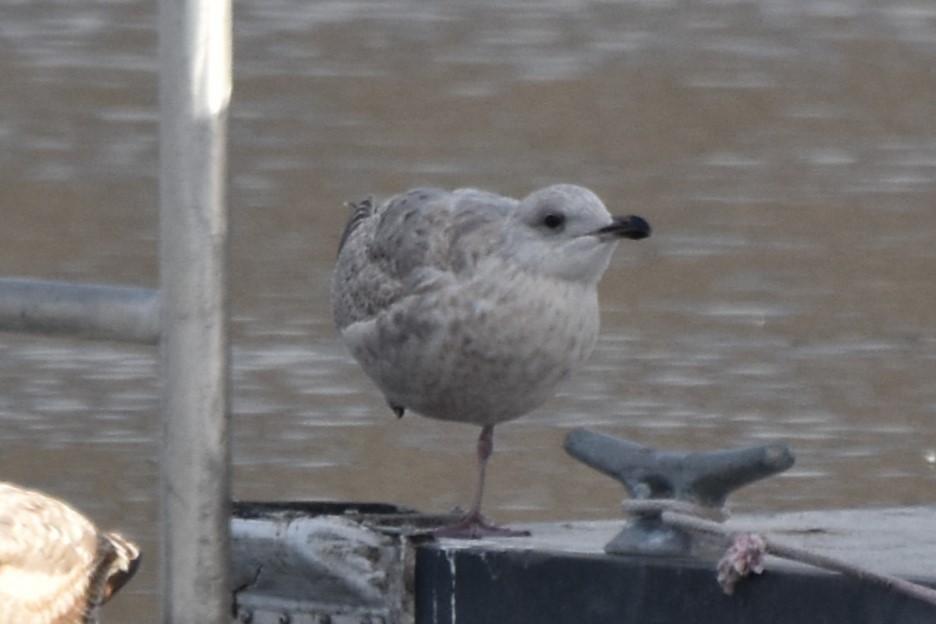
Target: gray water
<point>783,151</point>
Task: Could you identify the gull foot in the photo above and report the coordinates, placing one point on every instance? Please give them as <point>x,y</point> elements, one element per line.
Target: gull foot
<point>474,526</point>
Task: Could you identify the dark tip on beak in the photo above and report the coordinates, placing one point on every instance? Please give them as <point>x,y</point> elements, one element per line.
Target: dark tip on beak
<point>631,226</point>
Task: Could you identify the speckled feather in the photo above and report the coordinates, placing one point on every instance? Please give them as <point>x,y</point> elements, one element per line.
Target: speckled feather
<point>466,305</point>
<point>55,567</point>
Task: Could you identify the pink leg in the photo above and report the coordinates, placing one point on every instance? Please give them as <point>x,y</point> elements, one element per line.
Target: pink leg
<point>474,525</point>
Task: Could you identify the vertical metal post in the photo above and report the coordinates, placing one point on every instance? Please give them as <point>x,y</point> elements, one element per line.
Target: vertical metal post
<point>194,94</point>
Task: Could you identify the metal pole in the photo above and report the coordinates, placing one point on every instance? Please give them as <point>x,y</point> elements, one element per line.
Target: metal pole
<point>92,311</point>
<point>194,95</point>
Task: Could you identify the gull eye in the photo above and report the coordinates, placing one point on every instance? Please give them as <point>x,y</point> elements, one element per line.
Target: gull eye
<point>554,221</point>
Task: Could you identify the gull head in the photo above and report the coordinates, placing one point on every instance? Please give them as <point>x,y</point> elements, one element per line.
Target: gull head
<point>564,231</point>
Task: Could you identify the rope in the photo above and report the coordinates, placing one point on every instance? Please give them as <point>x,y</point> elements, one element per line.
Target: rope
<point>746,549</point>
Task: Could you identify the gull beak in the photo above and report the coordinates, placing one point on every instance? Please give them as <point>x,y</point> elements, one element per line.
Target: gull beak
<point>630,226</point>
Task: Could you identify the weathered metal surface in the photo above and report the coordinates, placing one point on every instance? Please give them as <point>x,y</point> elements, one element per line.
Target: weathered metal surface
<point>704,479</point>
<point>194,96</point>
<point>532,587</point>
<point>321,562</point>
<point>561,575</point>
<point>93,311</point>
<point>355,563</point>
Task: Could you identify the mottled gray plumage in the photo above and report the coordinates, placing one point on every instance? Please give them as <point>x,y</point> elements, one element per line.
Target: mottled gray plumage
<point>470,306</point>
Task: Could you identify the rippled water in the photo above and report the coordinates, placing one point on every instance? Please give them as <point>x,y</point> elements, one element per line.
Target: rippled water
<point>783,151</point>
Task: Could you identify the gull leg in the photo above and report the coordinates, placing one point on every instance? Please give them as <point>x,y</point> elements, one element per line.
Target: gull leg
<point>474,525</point>
<point>485,448</point>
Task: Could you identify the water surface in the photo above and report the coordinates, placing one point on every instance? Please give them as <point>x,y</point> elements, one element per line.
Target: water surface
<point>783,151</point>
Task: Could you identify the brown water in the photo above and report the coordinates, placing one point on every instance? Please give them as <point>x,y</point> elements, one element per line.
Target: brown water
<point>784,152</point>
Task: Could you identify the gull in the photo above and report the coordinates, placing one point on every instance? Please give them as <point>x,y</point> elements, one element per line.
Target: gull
<point>472,307</point>
<point>55,566</point>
